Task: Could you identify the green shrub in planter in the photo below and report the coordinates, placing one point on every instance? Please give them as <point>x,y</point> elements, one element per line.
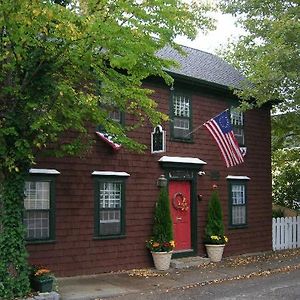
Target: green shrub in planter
<point>214,230</point>
<point>162,235</point>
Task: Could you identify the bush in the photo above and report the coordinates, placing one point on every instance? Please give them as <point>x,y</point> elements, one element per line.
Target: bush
<point>162,237</point>
<point>214,230</point>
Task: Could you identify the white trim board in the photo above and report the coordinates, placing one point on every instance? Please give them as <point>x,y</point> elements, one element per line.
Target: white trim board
<point>110,173</point>
<point>44,171</point>
<point>183,160</point>
<point>238,177</point>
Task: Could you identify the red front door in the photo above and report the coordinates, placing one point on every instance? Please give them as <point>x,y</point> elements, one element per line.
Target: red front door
<point>180,202</point>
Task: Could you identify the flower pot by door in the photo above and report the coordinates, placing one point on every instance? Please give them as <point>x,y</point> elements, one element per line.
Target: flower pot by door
<point>162,260</point>
<point>215,252</point>
<point>42,285</point>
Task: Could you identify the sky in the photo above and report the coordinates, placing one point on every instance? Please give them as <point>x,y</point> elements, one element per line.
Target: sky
<point>214,39</point>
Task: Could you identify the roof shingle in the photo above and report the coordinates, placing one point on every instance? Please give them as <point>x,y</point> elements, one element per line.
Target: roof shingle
<point>203,66</point>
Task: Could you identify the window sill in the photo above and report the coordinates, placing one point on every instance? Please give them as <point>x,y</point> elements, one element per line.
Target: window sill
<point>109,237</point>
<point>34,242</point>
<point>237,226</point>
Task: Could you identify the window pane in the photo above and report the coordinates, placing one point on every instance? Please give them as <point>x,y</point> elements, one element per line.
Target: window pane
<point>237,117</point>
<point>37,224</point>
<point>110,222</point>
<point>238,194</point>
<point>37,195</point>
<point>181,106</point>
<point>110,195</point>
<point>115,115</point>
<point>238,215</point>
<point>181,128</point>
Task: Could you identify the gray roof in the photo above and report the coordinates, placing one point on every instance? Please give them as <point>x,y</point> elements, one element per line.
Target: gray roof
<point>203,66</point>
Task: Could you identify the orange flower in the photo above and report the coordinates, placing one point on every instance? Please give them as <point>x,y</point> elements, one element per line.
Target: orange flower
<point>172,243</point>
<point>155,244</point>
<point>41,272</point>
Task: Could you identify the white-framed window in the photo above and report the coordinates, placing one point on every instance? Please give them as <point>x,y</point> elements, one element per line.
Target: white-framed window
<point>158,140</point>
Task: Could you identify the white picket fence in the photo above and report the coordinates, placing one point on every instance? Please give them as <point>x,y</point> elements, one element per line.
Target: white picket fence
<point>286,233</point>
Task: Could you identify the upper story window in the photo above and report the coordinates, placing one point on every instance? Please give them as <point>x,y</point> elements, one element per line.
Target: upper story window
<point>182,116</point>
<point>237,121</point>
<point>39,211</point>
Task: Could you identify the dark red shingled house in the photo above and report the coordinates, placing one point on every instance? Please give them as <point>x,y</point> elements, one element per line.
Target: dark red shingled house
<point>93,214</point>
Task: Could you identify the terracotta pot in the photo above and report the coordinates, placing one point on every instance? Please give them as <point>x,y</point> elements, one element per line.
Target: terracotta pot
<point>162,260</point>
<point>215,252</point>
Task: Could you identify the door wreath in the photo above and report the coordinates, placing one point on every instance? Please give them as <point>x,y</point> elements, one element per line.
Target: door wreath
<point>179,202</point>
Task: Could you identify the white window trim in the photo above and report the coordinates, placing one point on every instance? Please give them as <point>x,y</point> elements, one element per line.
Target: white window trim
<point>44,171</point>
<point>164,139</point>
<point>183,160</point>
<point>232,177</point>
<point>110,173</point>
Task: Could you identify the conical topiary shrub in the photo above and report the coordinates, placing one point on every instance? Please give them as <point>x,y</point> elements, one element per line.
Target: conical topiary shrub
<point>161,243</point>
<point>162,233</point>
<point>214,230</point>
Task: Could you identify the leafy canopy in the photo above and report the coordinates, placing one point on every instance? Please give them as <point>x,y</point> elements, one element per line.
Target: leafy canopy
<point>269,52</point>
<point>55,55</point>
<point>286,176</point>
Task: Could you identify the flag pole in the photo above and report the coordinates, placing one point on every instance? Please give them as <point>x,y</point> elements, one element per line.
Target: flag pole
<point>203,124</point>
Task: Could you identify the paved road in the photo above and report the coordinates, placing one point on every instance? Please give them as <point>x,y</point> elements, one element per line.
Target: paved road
<point>279,286</point>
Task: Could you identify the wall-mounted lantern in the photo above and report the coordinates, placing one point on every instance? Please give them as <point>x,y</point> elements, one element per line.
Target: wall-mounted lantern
<point>162,181</point>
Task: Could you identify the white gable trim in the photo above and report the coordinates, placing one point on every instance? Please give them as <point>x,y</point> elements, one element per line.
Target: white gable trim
<point>44,171</point>
<point>183,160</point>
<point>110,173</point>
<point>232,177</point>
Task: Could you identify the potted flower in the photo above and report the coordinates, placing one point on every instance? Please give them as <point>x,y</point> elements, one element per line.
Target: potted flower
<point>161,244</point>
<point>215,239</point>
<point>41,279</point>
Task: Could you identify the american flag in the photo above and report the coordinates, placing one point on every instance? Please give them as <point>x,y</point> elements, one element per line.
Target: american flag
<point>221,129</point>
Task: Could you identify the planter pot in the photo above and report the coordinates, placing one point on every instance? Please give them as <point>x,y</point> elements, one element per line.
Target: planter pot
<point>215,252</point>
<point>42,285</point>
<point>162,260</point>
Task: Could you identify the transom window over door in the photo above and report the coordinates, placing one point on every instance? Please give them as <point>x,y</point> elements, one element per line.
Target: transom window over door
<point>181,125</point>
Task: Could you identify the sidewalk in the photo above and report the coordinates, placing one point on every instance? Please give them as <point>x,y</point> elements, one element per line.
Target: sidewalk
<point>136,284</point>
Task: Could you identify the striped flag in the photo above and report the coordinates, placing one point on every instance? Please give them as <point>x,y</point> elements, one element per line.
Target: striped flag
<point>221,129</point>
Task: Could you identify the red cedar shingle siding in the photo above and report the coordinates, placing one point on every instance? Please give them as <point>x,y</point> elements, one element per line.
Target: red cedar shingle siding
<point>76,252</point>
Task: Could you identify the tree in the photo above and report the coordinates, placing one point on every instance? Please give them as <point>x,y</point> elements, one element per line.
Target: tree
<point>162,225</point>
<point>285,130</point>
<point>214,229</point>
<point>54,56</point>
<point>268,53</point>
<point>286,176</point>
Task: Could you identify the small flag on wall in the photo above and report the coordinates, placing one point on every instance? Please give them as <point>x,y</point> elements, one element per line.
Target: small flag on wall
<point>221,129</point>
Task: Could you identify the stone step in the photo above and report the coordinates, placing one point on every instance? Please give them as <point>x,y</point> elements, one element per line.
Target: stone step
<point>188,262</point>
